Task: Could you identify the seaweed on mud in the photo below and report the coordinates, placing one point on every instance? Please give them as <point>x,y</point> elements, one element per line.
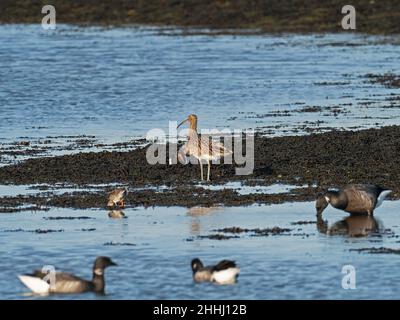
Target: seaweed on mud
<point>389,80</point>
<point>40,231</point>
<point>381,250</point>
<point>110,243</point>
<point>16,208</point>
<point>233,17</point>
<point>68,218</point>
<point>318,160</point>
<point>217,237</point>
<point>257,232</point>
<point>303,222</point>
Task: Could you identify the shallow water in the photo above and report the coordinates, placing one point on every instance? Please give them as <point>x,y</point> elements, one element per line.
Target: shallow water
<point>117,83</point>
<point>113,85</point>
<point>154,246</point>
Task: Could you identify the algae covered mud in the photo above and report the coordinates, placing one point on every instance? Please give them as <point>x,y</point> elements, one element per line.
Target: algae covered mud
<point>76,105</point>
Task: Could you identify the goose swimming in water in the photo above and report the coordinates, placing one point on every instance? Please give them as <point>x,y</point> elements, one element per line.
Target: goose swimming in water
<point>353,198</point>
<point>66,282</point>
<point>225,272</point>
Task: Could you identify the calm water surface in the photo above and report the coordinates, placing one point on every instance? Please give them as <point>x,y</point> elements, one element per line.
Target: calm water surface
<point>154,246</point>
<point>118,83</point>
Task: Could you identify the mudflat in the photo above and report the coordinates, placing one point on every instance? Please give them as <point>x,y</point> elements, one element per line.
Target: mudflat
<point>314,162</point>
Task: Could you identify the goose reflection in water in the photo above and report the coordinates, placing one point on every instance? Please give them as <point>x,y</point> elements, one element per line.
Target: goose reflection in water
<point>352,226</point>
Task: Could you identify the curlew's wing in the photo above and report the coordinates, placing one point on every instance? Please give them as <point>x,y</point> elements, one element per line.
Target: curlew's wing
<point>212,148</point>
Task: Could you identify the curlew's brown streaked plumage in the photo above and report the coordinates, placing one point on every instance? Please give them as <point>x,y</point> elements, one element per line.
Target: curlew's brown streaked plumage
<point>201,147</point>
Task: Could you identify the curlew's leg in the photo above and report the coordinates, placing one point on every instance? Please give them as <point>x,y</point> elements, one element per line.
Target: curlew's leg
<point>201,170</point>
<point>208,171</point>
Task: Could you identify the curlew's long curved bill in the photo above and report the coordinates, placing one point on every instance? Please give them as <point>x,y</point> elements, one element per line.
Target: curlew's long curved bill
<point>186,120</point>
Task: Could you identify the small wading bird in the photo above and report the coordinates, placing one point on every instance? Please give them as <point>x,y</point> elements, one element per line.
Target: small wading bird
<point>202,148</point>
<point>353,198</point>
<point>67,282</point>
<point>117,198</point>
<point>225,272</point>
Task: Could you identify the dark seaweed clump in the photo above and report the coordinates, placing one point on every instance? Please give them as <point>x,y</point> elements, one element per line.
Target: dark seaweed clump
<point>256,232</point>
<point>381,250</point>
<point>389,80</point>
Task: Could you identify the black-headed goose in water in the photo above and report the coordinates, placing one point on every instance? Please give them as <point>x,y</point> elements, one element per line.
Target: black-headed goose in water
<point>40,283</point>
<point>353,198</point>
<point>225,272</point>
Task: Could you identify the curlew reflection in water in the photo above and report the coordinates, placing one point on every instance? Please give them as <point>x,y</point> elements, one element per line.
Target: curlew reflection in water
<point>196,213</point>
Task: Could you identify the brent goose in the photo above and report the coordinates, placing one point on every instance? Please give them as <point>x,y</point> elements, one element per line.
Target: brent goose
<point>117,197</point>
<point>225,272</point>
<point>67,282</point>
<point>353,198</point>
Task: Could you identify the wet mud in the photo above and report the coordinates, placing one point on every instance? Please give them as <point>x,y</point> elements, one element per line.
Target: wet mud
<point>389,80</point>
<point>317,161</point>
<point>257,231</point>
<point>119,244</point>
<point>235,17</point>
<point>381,250</point>
<point>239,232</point>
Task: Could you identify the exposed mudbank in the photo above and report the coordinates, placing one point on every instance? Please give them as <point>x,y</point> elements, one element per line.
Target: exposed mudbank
<point>238,232</point>
<point>40,231</point>
<point>389,80</point>
<point>318,161</point>
<point>381,250</point>
<point>240,16</point>
<point>257,232</point>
